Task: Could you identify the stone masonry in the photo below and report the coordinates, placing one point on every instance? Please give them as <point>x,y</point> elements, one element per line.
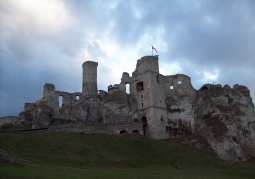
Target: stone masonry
<point>157,107</point>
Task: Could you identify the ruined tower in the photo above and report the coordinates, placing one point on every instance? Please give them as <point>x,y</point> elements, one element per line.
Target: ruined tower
<point>147,85</point>
<point>150,95</point>
<point>89,82</point>
<point>48,90</point>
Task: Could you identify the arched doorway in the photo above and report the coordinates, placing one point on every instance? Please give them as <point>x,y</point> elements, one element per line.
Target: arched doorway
<point>123,131</point>
<point>136,132</point>
<point>144,121</point>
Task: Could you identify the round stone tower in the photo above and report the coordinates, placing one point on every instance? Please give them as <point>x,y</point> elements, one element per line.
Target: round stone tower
<point>89,86</point>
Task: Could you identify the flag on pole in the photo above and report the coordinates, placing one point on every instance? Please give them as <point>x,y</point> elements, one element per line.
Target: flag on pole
<point>154,48</point>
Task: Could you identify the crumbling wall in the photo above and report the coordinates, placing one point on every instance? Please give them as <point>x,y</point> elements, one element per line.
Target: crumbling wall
<point>157,107</point>
<point>119,107</point>
<point>180,102</point>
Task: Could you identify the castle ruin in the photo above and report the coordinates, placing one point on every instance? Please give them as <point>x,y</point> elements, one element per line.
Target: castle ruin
<point>157,107</point>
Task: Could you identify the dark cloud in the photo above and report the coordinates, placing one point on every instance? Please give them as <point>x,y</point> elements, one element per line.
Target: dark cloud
<point>206,40</point>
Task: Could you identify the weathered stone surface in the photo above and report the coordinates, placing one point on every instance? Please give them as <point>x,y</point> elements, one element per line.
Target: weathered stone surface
<point>43,117</point>
<point>225,117</point>
<point>126,128</point>
<point>119,108</point>
<point>180,111</point>
<point>163,107</point>
<point>81,111</point>
<point>94,115</point>
<point>7,123</point>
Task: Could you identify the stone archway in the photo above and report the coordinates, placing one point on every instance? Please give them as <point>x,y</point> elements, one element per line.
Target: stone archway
<point>136,132</point>
<point>123,131</point>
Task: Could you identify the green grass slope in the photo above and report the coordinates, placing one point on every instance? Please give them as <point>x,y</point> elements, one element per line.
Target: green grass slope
<point>74,155</point>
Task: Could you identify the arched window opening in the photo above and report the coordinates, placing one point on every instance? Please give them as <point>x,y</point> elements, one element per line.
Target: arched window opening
<point>128,88</point>
<point>60,101</point>
<point>179,82</point>
<point>161,118</point>
<point>171,87</point>
<point>136,132</point>
<point>123,131</point>
<point>77,97</point>
<point>139,86</point>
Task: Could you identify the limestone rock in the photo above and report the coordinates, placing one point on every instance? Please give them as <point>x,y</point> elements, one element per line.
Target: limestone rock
<point>180,108</point>
<point>43,117</point>
<point>226,118</point>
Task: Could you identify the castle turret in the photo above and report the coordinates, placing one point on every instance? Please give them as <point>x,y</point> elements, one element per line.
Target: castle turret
<point>89,86</point>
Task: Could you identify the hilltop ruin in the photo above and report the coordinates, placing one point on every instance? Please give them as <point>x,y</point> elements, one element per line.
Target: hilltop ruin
<point>157,107</point>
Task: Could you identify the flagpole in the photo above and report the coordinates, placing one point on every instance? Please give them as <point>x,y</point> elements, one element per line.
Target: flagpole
<point>151,50</point>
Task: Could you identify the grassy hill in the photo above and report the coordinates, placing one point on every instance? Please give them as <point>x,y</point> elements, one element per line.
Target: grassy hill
<point>74,155</point>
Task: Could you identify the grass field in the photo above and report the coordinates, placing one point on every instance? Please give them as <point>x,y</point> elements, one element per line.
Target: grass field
<point>74,155</point>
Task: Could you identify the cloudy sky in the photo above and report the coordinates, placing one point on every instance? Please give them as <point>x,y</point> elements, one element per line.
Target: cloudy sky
<point>46,41</point>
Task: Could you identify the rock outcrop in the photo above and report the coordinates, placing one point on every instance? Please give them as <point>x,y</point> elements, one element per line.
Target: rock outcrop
<point>225,117</point>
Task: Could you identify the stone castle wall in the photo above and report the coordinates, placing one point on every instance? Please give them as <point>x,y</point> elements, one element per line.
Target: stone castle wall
<point>157,107</point>
<point>127,128</point>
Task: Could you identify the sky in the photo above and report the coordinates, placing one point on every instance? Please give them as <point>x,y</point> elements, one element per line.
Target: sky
<point>47,41</point>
